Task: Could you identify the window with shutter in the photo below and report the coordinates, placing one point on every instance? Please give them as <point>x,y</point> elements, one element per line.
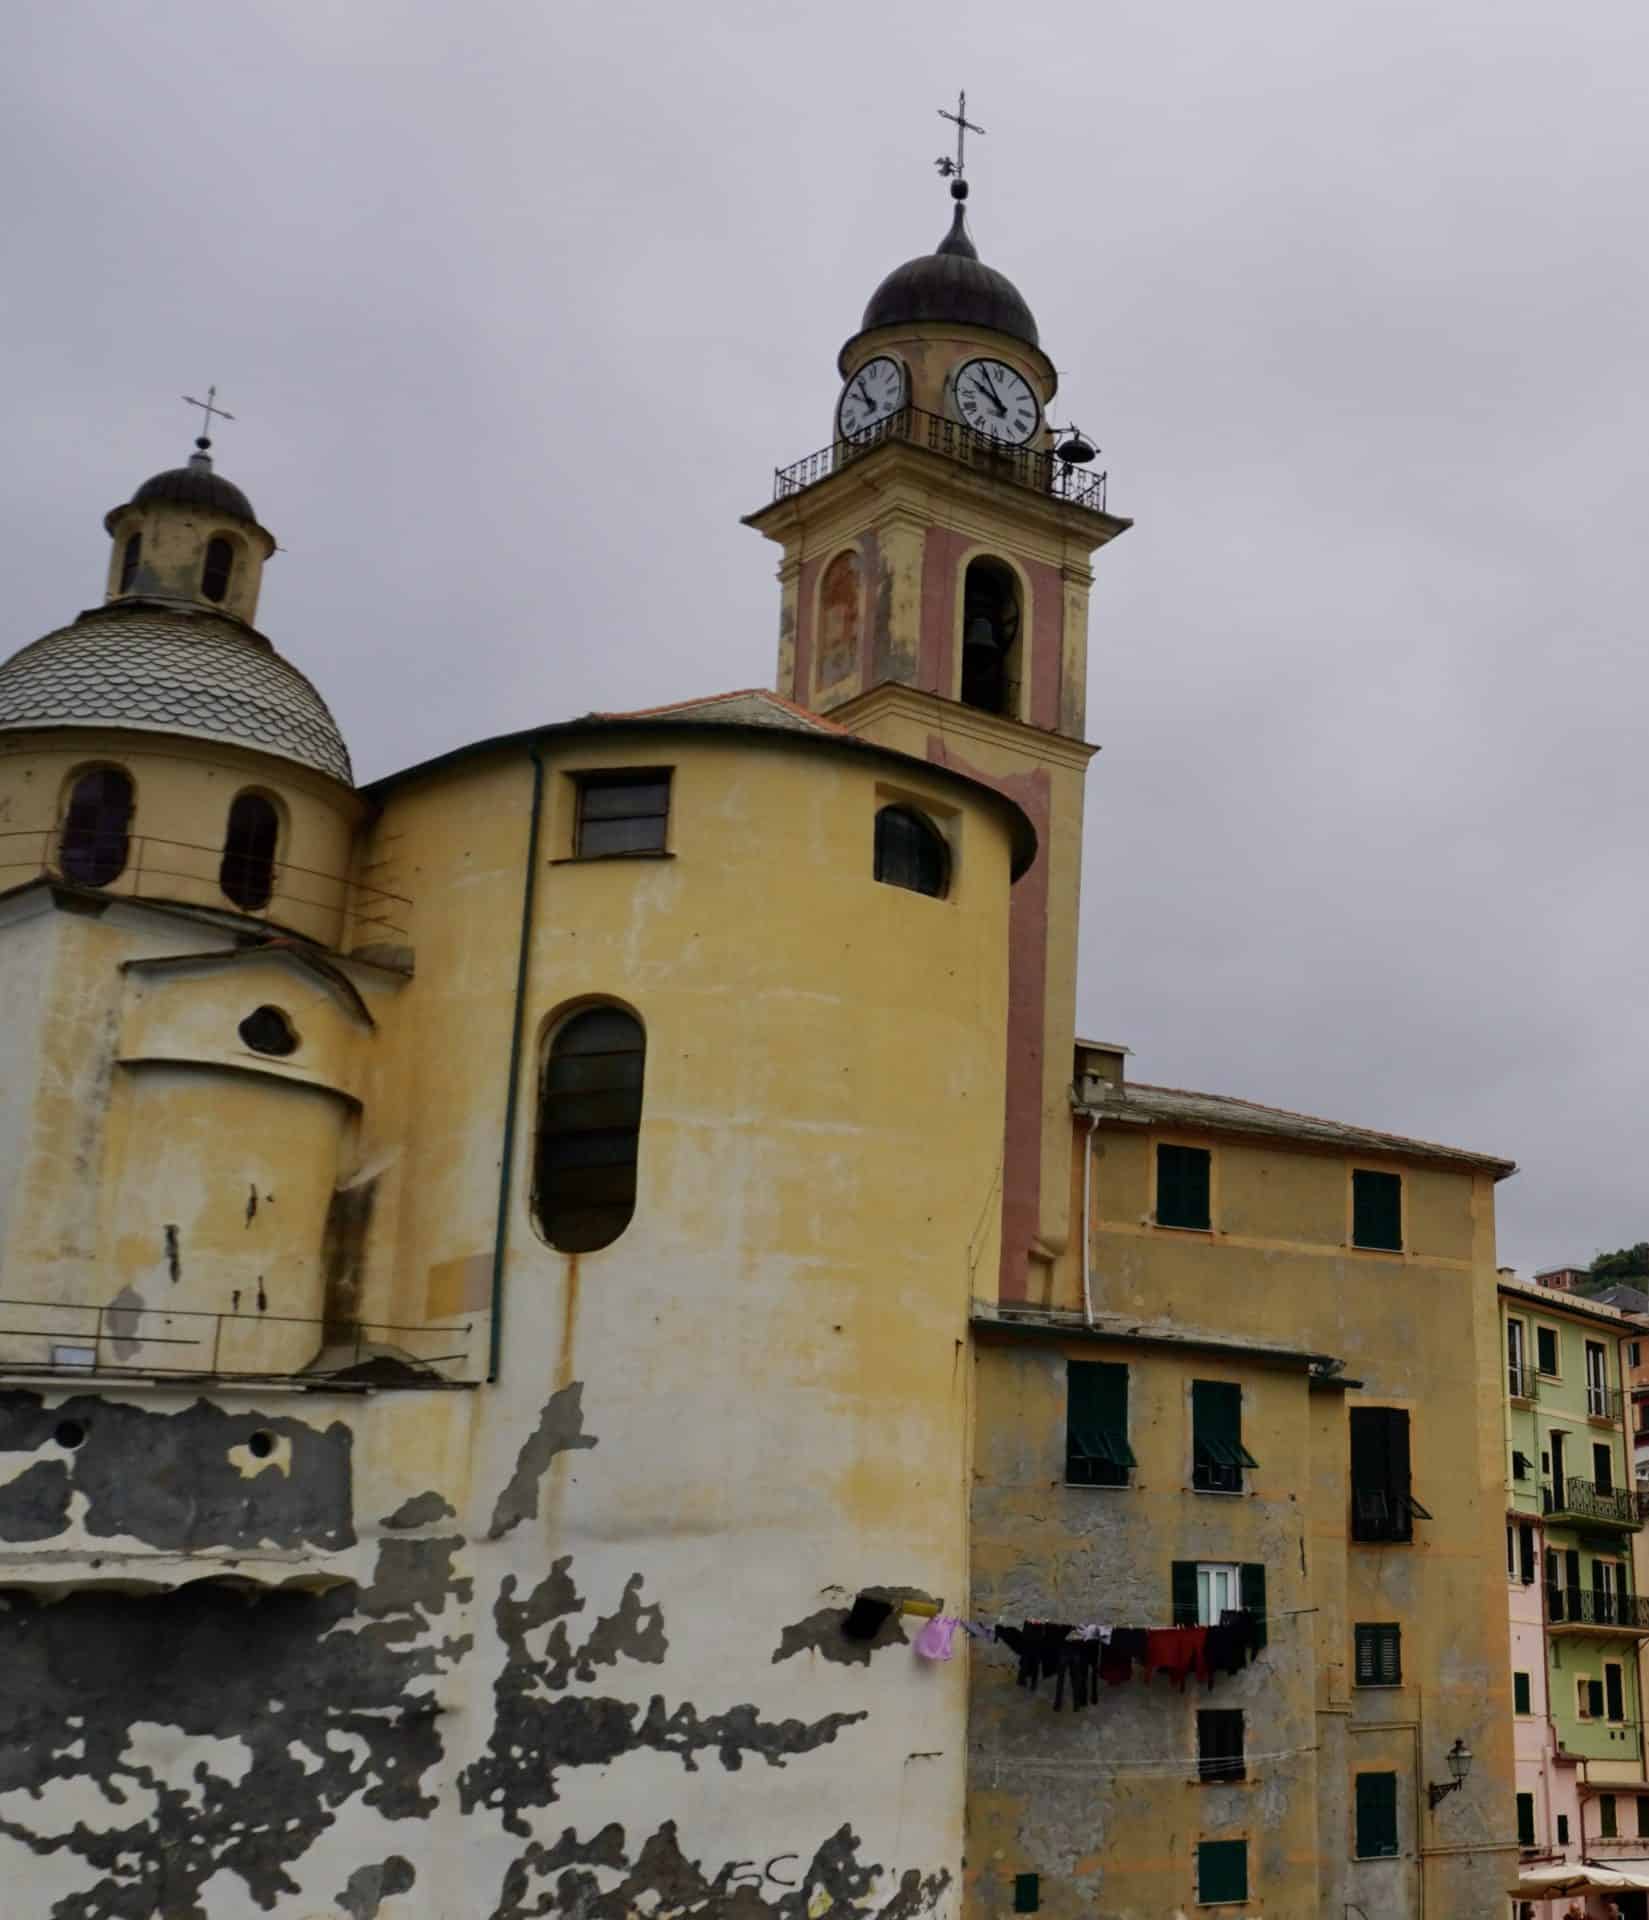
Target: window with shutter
<point>1521,1693</point>
<point>1253,1598</point>
<point>1379,1654</point>
<point>1614,1691</point>
<point>1525,1819</point>
<point>1219,1744</point>
<point>1545,1351</point>
<point>1520,1466</point>
<point>1377,1210</point>
<point>1218,1455</point>
<point>1526,1552</point>
<point>1222,1871</point>
<point>1606,1822</point>
<point>1383,1506</point>
<point>1376,1815</point>
<point>1183,1180</point>
<point>1097,1453</point>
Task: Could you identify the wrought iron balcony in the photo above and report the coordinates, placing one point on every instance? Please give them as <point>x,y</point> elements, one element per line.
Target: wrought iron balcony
<point>1027,467</point>
<point>1604,1403</point>
<point>1522,1382</point>
<point>1586,1610</point>
<point>1599,1506</point>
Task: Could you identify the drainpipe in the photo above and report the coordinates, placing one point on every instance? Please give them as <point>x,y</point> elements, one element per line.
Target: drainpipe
<point>506,1171</point>
<point>1087,1191</point>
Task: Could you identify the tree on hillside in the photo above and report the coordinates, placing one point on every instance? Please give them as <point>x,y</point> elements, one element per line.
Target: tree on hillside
<point>1625,1263</point>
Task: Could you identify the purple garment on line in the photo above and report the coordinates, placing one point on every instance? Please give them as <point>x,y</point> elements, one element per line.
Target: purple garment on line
<point>934,1641</point>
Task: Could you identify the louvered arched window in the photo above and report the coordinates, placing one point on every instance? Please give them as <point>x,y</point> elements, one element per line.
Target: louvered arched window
<point>247,873</point>
<point>219,564</point>
<point>589,1128</point>
<point>911,852</point>
<point>95,840</point>
<point>131,554</point>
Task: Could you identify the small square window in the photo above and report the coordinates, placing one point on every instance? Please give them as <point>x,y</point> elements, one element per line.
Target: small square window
<point>73,1356</point>
<point>1545,1351</point>
<point>1377,1210</point>
<point>1183,1181</point>
<point>1222,1871</point>
<point>1219,1744</point>
<point>622,813</point>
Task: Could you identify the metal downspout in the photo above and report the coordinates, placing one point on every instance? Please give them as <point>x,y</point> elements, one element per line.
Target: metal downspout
<point>1087,1243</point>
<point>506,1171</point>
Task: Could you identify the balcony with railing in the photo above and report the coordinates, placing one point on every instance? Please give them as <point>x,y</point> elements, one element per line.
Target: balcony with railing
<point>328,907</point>
<point>1585,1610</point>
<point>71,1343</point>
<point>1522,1382</point>
<point>1028,467</point>
<point>1604,1405</point>
<point>1586,1502</point>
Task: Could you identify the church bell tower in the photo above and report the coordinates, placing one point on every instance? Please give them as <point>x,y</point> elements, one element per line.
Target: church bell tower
<point>934,582</point>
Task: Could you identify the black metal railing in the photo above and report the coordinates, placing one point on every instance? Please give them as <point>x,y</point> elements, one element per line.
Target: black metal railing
<point>1027,467</point>
<point>1522,1382</point>
<point>1603,1403</point>
<point>1586,1500</point>
<point>57,1338</point>
<point>1587,1607</point>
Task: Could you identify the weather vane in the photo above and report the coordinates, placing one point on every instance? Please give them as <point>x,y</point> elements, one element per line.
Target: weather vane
<point>208,407</point>
<point>964,126</point>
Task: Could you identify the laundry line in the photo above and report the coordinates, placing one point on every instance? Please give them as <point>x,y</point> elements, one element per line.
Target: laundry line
<point>1138,1766</point>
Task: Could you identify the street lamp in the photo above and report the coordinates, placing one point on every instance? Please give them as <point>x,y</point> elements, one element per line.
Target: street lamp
<point>1459,1757</point>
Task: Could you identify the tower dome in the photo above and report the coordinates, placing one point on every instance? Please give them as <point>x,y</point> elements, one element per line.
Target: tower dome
<point>952,284</point>
<point>195,485</point>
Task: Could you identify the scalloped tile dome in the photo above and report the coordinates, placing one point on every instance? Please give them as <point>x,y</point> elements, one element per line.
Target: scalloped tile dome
<point>172,670</point>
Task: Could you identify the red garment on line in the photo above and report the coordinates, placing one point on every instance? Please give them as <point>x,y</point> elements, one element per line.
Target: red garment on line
<point>1178,1652</point>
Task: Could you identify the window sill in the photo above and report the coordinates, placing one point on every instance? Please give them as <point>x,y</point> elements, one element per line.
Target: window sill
<point>1393,1855</point>
<point>1181,1226</point>
<point>1358,1247</point>
<point>594,859</point>
<point>1378,1686</point>
<point>1099,1486</point>
<point>1223,1780</point>
<point>1221,1493</point>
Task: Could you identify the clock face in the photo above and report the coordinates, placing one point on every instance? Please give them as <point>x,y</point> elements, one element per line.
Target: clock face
<point>996,401</point>
<point>875,392</point>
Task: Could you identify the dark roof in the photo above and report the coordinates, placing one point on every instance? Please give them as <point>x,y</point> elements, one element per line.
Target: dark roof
<point>196,485</point>
<point>952,284</point>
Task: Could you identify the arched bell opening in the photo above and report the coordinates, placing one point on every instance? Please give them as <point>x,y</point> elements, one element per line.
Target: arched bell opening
<point>991,623</point>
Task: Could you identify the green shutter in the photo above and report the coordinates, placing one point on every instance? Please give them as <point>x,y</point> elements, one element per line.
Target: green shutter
<point>1253,1598</point>
<point>1377,1210</point>
<point>1545,1347</point>
<point>1216,1431</point>
<point>1096,1423</point>
<point>1222,1870</point>
<point>1183,1593</point>
<point>1525,1819</point>
<point>1615,1694</point>
<point>1520,1693</point>
<point>1182,1187</point>
<point>1376,1815</point>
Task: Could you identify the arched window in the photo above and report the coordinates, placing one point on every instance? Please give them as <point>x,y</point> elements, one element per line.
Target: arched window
<point>247,874</point>
<point>589,1122</point>
<point>220,562</point>
<point>129,558</point>
<point>911,852</point>
<point>990,638</point>
<point>95,839</point>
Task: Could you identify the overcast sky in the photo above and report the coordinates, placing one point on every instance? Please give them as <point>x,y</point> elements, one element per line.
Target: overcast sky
<point>519,306</point>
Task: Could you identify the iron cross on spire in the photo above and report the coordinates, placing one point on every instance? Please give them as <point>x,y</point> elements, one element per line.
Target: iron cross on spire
<point>964,126</point>
<point>208,407</point>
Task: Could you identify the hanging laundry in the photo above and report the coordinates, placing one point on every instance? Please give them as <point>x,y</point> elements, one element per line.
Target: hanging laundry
<point>1037,1643</point>
<point>1078,1668</point>
<point>934,1641</point>
<point>1176,1651</point>
<point>1123,1652</point>
<point>1231,1643</point>
<point>1091,1632</point>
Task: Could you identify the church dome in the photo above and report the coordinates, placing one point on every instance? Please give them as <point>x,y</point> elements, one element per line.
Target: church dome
<point>952,284</point>
<point>172,669</point>
<point>195,485</point>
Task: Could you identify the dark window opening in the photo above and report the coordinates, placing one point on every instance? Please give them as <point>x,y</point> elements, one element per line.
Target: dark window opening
<point>990,638</point>
<point>1377,1210</point>
<point>1606,1826</point>
<point>1383,1506</point>
<point>247,872</point>
<point>1562,1829</point>
<point>1525,1552</point>
<point>1376,1815</point>
<point>1525,1819</point>
<point>1027,1892</point>
<point>911,852</point>
<point>95,840</point>
<point>1545,1351</point>
<point>267,1030</point>
<point>1603,1469</point>
<point>220,563</point>
<point>1380,1654</point>
<point>1521,1694</point>
<point>1219,1744</point>
<point>1218,1455</point>
<point>589,1127</point>
<point>130,555</point>
<point>1520,1466</point>
<point>1614,1691</point>
<point>1643,1816</point>
<point>622,813</point>
<point>1183,1181</point>
<point>1222,1871</point>
<point>1097,1453</point>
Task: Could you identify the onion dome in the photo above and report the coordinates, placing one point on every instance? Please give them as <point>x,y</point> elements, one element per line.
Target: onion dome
<point>172,669</point>
<point>195,485</point>
<point>952,284</point>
